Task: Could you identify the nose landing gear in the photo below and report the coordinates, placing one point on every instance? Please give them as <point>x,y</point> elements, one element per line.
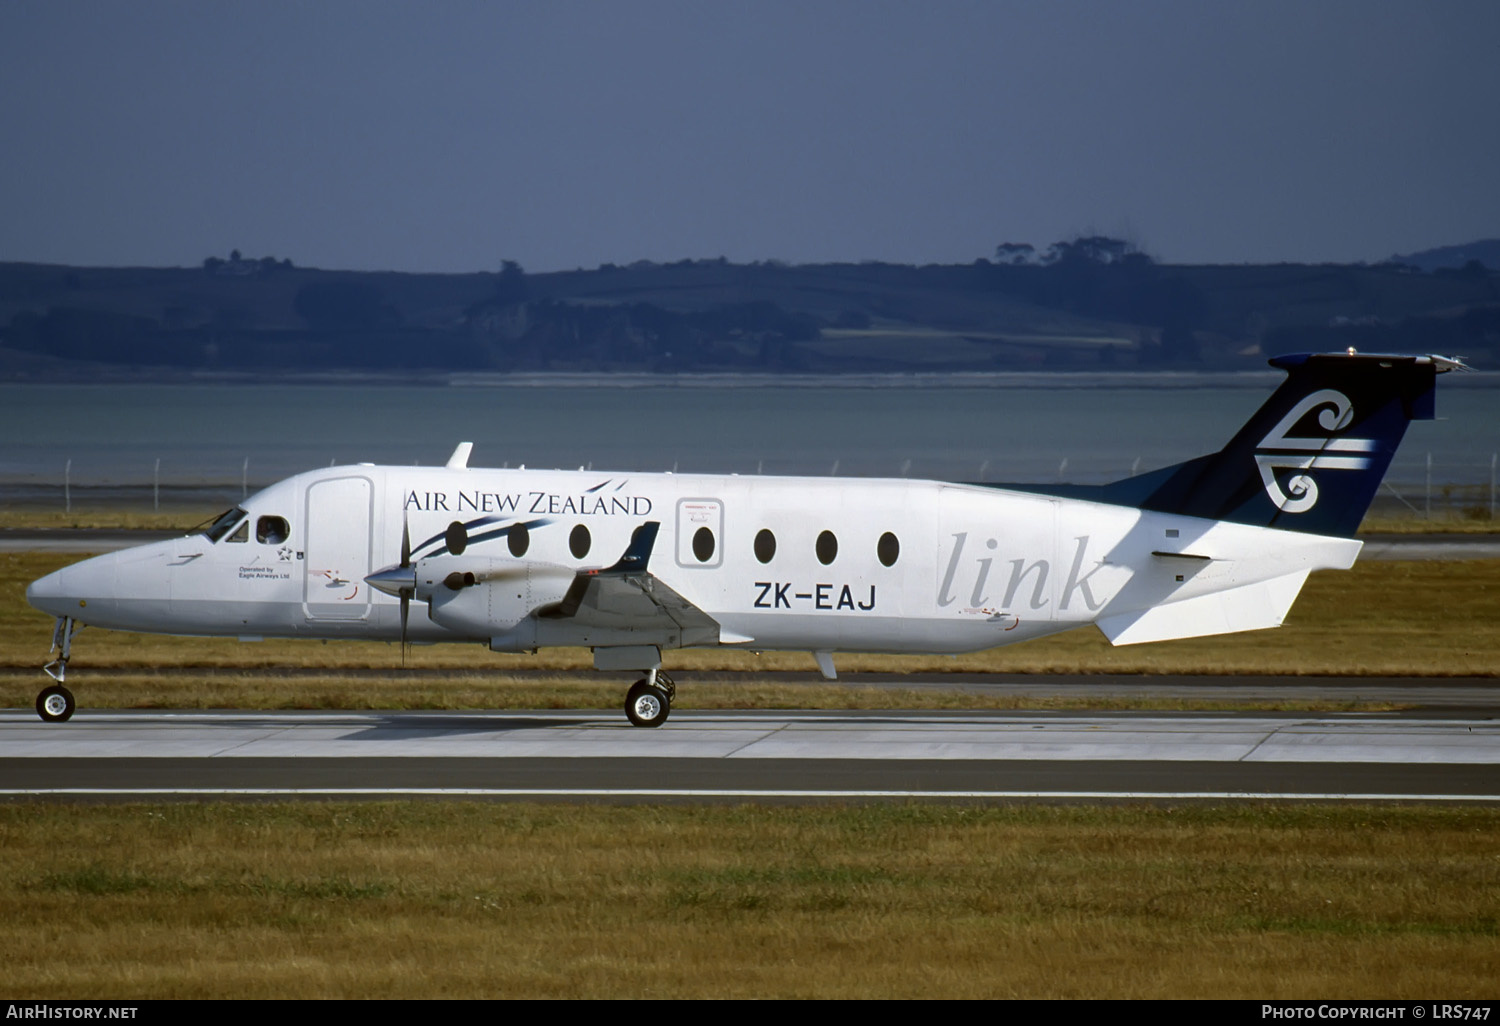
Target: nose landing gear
<point>55,703</point>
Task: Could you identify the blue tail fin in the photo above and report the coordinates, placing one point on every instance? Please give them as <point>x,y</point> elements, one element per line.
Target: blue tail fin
<point>1312,457</point>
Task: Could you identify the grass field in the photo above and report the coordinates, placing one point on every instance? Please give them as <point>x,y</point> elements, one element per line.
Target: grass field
<point>475,900</point>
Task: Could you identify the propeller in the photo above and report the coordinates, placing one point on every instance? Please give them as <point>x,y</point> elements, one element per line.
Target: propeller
<point>399,580</point>
<point>406,592</point>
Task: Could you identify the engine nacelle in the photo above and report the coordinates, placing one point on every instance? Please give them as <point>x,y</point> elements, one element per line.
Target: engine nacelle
<point>484,596</point>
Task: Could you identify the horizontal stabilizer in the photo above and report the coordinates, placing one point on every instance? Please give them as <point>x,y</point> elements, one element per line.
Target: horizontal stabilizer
<point>1249,607</point>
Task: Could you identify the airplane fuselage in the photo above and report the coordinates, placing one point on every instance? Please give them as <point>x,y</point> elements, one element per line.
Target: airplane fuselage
<point>822,564</point>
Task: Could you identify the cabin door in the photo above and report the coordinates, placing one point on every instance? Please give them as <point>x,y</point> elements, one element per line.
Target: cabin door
<point>338,549</point>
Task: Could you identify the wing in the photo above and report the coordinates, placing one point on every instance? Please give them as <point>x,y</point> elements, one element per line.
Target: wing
<point>627,596</point>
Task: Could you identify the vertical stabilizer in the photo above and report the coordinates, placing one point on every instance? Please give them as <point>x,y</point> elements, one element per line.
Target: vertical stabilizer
<point>1313,456</point>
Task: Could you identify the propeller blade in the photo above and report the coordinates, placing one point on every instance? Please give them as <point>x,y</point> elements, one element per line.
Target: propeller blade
<point>405,593</point>
<point>405,611</point>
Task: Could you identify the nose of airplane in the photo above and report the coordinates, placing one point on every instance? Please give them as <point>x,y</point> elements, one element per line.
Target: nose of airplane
<point>126,590</point>
<point>46,594</point>
<point>83,590</point>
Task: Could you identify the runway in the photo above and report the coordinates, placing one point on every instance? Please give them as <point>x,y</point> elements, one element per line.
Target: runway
<point>754,756</point>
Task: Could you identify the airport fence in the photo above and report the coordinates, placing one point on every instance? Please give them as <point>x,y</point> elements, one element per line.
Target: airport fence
<point>1429,485</point>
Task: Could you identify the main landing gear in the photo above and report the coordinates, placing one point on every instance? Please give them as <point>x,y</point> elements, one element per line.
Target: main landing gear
<point>55,703</point>
<point>648,703</point>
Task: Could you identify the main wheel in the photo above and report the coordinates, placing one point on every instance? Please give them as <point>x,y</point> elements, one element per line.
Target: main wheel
<point>55,704</point>
<point>647,705</point>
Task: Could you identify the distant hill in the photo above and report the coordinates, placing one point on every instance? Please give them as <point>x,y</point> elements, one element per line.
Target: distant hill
<point>1090,305</point>
<point>1486,251</point>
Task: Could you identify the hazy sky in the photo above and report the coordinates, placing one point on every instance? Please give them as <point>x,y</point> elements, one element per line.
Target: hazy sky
<point>447,136</point>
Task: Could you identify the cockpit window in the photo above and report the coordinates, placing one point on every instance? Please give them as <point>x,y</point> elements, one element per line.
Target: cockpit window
<point>271,530</point>
<point>241,533</point>
<point>225,523</point>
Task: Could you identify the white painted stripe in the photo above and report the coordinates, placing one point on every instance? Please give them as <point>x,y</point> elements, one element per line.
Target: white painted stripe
<point>615,792</point>
<point>1340,463</point>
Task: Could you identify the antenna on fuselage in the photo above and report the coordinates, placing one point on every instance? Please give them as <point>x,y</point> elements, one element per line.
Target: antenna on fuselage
<point>460,458</point>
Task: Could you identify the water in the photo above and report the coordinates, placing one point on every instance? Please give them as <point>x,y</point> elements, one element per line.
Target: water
<point>203,434</point>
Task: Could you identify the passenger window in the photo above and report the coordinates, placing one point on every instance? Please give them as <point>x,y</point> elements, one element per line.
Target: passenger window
<point>518,539</point>
<point>579,541</point>
<point>765,545</point>
<point>827,547</point>
<point>888,549</point>
<point>703,544</point>
<point>456,538</point>
<point>272,530</point>
<point>242,534</point>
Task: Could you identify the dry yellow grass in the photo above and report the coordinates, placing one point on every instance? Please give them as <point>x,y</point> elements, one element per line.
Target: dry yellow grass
<point>1475,521</point>
<point>474,900</point>
<point>114,519</point>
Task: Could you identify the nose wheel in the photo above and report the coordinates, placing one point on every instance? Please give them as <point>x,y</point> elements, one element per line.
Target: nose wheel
<point>55,704</point>
<point>648,703</point>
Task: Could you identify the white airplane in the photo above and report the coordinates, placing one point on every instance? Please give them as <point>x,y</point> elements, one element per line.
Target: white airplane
<point>630,564</point>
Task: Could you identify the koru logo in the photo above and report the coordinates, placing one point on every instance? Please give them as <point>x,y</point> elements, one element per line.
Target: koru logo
<point>1280,451</point>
